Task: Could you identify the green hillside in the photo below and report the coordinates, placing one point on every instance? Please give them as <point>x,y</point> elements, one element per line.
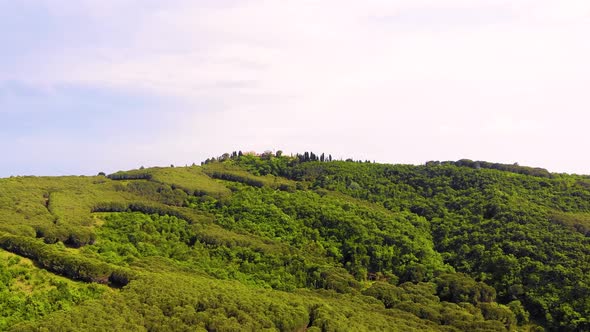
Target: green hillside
<point>304,243</point>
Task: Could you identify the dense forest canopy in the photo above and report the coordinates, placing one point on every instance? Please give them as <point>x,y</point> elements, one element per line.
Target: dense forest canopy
<point>297,243</point>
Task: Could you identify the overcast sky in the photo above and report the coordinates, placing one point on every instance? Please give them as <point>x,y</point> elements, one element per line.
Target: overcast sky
<point>103,85</point>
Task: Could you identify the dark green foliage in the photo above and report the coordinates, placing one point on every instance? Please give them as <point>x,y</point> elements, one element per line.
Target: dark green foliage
<point>332,279</point>
<point>80,237</point>
<point>514,168</point>
<point>521,233</point>
<point>131,175</point>
<point>110,207</point>
<point>458,287</point>
<point>389,294</point>
<point>494,311</point>
<point>158,192</point>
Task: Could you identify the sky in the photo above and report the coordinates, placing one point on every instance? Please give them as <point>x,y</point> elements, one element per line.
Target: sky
<point>106,85</point>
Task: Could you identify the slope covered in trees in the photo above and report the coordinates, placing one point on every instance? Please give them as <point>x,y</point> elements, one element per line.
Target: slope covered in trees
<point>304,243</point>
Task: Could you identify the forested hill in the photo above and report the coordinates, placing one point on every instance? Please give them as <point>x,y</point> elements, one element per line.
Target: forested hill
<point>306,243</point>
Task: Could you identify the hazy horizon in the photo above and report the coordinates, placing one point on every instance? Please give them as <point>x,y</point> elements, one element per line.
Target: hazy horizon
<point>198,163</point>
<point>98,86</point>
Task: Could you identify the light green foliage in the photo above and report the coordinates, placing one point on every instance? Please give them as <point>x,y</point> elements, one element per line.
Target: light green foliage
<point>176,302</point>
<point>278,243</point>
<point>191,179</point>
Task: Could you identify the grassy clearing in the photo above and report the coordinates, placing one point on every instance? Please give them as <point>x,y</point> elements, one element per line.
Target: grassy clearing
<point>579,222</point>
<point>233,173</point>
<point>191,179</point>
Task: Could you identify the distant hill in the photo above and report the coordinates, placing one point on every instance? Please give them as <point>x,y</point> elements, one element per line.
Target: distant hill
<point>268,242</point>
